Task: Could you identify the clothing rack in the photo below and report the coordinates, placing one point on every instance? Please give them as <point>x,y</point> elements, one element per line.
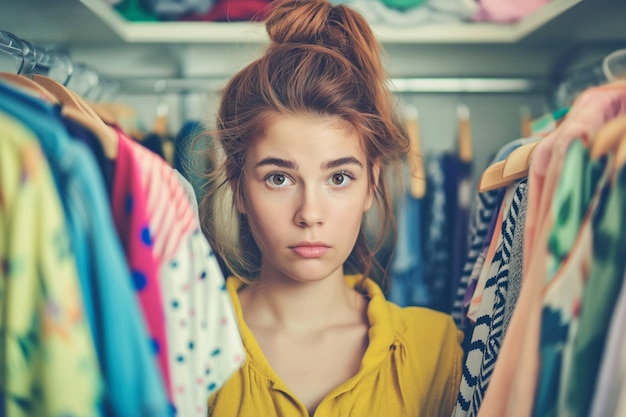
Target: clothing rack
<point>397,85</point>
<point>79,77</point>
<point>87,82</point>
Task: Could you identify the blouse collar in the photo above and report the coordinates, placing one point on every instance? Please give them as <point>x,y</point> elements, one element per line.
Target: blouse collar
<point>381,336</point>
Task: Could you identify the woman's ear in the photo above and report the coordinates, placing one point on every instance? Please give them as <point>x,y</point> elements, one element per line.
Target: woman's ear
<point>373,185</point>
<point>241,207</point>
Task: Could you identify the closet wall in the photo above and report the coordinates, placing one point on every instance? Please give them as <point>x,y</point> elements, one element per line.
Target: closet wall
<point>567,35</point>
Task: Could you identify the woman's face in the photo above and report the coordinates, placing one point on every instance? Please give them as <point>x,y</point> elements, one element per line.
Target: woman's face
<point>304,192</point>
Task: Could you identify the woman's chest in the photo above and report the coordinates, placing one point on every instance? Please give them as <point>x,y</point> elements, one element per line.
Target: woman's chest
<point>312,366</point>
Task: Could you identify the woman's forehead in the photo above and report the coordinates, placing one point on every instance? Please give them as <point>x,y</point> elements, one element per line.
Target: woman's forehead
<point>307,137</point>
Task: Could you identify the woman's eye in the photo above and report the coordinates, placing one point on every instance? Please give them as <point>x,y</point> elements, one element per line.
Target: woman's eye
<point>278,180</point>
<point>340,178</point>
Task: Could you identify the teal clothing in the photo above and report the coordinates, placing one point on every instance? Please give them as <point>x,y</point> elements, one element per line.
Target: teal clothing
<point>569,251</point>
<point>403,4</point>
<point>601,291</point>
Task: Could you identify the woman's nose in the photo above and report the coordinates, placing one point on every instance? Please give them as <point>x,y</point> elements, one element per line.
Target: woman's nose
<point>311,208</point>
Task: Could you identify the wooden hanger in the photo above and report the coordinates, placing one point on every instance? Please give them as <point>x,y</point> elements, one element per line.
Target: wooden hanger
<point>75,108</point>
<point>125,117</point>
<point>620,157</point>
<point>517,164</point>
<point>29,85</point>
<point>161,121</point>
<point>492,179</point>
<point>416,162</point>
<point>504,173</point>
<point>103,113</point>
<point>526,123</point>
<point>465,134</point>
<point>608,137</point>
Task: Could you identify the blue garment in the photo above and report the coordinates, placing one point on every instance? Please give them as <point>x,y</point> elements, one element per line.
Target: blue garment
<point>133,384</point>
<point>408,287</point>
<point>437,233</point>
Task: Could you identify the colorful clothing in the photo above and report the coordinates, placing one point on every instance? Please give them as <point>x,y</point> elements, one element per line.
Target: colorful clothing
<point>487,333</point>
<point>569,250</point>
<point>514,377</point>
<point>204,343</point>
<point>130,213</point>
<point>50,367</point>
<point>611,383</point>
<point>133,383</point>
<point>599,298</point>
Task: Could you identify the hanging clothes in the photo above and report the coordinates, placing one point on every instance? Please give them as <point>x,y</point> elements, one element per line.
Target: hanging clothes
<point>599,298</point>
<point>203,346</point>
<point>408,287</point>
<point>569,259</point>
<point>551,291</point>
<point>436,229</point>
<point>488,324</point>
<point>133,385</point>
<point>130,212</point>
<point>610,385</point>
<point>515,376</point>
<point>157,315</point>
<point>48,346</point>
<point>484,208</point>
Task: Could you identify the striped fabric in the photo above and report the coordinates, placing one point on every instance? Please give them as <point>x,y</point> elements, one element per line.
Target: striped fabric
<point>171,215</point>
<point>488,330</point>
<point>483,210</point>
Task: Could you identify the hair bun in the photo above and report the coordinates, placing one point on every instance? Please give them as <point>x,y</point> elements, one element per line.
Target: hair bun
<point>298,21</point>
<point>318,22</point>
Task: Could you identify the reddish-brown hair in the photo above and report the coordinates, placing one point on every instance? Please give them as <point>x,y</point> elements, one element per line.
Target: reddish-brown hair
<point>322,60</point>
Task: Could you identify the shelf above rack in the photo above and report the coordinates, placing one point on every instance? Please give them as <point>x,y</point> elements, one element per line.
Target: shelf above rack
<point>248,32</point>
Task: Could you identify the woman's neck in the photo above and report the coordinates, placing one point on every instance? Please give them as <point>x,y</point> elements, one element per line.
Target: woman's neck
<point>301,307</point>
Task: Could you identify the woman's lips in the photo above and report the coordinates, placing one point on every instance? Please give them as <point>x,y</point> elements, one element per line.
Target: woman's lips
<point>310,251</point>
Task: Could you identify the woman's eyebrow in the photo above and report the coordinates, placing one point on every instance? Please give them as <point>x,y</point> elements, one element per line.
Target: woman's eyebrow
<point>348,160</point>
<point>282,163</point>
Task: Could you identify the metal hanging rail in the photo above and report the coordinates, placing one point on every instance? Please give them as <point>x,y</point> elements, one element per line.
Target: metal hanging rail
<point>397,85</point>
<point>32,59</point>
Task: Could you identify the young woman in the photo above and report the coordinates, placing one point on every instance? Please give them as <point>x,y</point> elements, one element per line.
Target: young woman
<point>306,135</point>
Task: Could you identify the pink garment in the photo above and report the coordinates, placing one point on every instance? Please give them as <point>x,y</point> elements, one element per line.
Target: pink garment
<point>130,213</point>
<point>204,344</point>
<point>172,218</point>
<point>506,11</point>
<point>513,383</point>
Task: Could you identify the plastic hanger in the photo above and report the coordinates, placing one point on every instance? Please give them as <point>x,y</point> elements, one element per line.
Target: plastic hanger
<point>29,85</point>
<point>609,135</point>
<point>416,162</point>
<point>75,108</point>
<point>614,65</point>
<point>465,133</point>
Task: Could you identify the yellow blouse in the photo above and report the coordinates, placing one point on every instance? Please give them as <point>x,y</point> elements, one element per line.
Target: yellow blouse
<point>411,367</point>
